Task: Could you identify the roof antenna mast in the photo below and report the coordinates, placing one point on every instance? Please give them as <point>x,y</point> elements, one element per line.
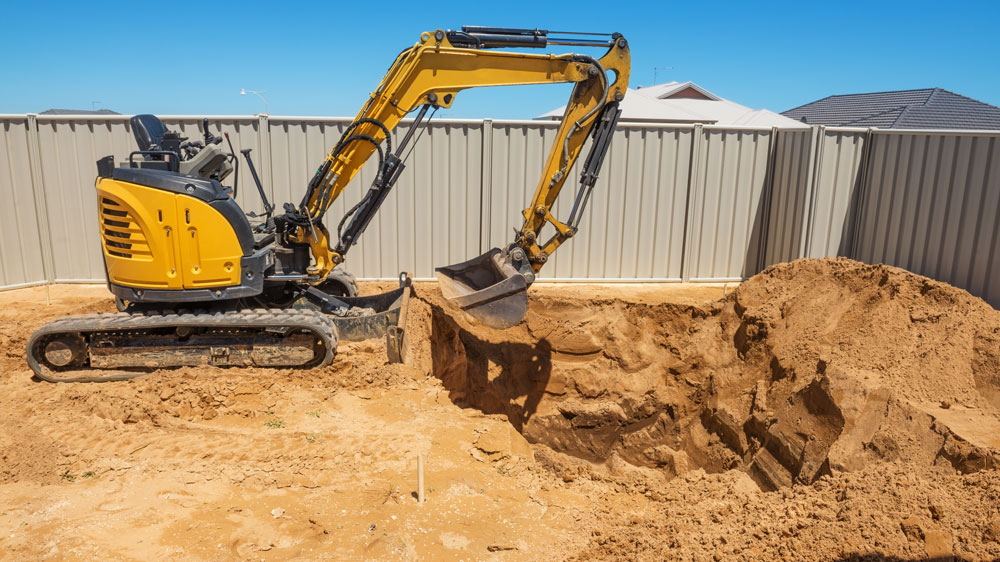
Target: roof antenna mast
<point>657,69</point>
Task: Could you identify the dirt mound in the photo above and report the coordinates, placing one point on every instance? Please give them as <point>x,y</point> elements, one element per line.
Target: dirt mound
<point>930,516</point>
<point>808,368</point>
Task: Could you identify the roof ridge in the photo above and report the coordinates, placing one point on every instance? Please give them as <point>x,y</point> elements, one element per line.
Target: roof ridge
<point>966,97</point>
<point>899,117</point>
<point>870,115</point>
<point>882,92</point>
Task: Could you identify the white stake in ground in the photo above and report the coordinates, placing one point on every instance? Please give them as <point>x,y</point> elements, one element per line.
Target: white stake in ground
<point>420,479</point>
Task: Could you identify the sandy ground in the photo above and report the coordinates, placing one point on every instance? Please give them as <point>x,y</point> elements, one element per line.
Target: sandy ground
<point>822,410</point>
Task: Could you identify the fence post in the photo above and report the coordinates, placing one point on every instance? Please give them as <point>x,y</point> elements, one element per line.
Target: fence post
<point>694,193</point>
<point>38,191</point>
<point>486,187</point>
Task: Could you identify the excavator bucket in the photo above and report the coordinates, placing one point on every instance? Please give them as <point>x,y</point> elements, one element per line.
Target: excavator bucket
<point>487,287</point>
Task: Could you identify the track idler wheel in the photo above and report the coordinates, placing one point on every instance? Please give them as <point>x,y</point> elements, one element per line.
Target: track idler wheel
<point>64,351</point>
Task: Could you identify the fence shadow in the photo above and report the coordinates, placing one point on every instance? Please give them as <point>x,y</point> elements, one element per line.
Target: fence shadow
<point>758,250</point>
<point>848,230</point>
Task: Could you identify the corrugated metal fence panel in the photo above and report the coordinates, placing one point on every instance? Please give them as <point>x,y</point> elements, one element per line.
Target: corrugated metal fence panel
<point>69,150</point>
<point>925,201</point>
<point>439,199</point>
<point>727,214</point>
<point>633,227</point>
<point>432,217</point>
<point>20,247</point>
<point>838,184</point>
<point>656,185</point>
<point>786,214</point>
<point>517,157</point>
<point>932,205</point>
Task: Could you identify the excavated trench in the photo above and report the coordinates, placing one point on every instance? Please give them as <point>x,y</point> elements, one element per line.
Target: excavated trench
<point>808,368</point>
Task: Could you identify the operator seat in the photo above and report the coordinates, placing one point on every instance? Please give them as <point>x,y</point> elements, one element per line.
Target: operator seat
<point>148,131</point>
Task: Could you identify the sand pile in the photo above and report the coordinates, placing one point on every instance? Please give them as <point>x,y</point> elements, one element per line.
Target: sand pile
<point>883,512</point>
<point>809,368</point>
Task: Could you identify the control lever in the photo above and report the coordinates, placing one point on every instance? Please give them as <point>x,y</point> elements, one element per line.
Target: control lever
<point>209,137</point>
<point>268,208</point>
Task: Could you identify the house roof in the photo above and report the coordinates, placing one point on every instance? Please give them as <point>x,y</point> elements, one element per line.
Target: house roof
<point>668,89</point>
<point>79,112</point>
<point>687,102</point>
<point>929,108</point>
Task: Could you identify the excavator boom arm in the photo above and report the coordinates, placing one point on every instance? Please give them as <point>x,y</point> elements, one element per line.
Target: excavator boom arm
<point>430,74</point>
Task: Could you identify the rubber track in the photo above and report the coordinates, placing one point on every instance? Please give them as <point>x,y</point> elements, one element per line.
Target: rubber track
<point>262,319</point>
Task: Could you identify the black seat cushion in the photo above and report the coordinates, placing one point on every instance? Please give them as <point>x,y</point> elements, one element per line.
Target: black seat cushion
<point>148,131</point>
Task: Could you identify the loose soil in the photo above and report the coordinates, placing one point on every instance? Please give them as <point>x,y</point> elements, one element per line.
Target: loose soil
<point>824,409</point>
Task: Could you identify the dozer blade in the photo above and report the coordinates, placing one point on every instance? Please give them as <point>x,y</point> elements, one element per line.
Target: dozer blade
<point>370,316</point>
<point>487,287</point>
<point>388,321</point>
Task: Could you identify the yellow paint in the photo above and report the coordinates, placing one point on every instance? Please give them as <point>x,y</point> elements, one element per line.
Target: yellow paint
<point>174,241</point>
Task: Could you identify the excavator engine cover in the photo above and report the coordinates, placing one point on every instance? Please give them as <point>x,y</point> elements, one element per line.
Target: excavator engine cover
<point>488,287</point>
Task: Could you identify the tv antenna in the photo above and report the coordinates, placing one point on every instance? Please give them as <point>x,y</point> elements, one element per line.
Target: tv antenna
<point>656,69</point>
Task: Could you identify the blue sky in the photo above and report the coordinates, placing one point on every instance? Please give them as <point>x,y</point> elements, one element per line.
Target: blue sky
<point>323,58</point>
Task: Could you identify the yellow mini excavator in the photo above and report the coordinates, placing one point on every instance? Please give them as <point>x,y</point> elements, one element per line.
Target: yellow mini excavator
<point>198,281</point>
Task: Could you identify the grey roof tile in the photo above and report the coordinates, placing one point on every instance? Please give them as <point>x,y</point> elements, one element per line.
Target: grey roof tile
<point>929,108</point>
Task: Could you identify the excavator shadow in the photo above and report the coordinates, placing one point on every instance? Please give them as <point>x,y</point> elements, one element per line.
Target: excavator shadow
<point>495,377</point>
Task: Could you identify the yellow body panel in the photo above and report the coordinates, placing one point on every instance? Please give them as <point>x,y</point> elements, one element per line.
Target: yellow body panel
<point>155,239</point>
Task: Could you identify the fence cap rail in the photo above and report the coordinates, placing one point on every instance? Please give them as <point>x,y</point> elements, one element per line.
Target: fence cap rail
<point>843,129</point>
<point>938,132</point>
<point>116,118</point>
<point>277,119</point>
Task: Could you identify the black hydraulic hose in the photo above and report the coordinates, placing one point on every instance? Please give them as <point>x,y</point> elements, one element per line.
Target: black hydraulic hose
<point>362,213</point>
<point>344,139</point>
<point>322,200</point>
<point>350,213</point>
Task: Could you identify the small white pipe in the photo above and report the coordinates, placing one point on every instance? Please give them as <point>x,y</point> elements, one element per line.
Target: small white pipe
<point>420,479</point>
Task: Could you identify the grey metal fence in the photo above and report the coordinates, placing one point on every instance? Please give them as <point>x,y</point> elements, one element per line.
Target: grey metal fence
<point>698,203</point>
<point>930,202</point>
